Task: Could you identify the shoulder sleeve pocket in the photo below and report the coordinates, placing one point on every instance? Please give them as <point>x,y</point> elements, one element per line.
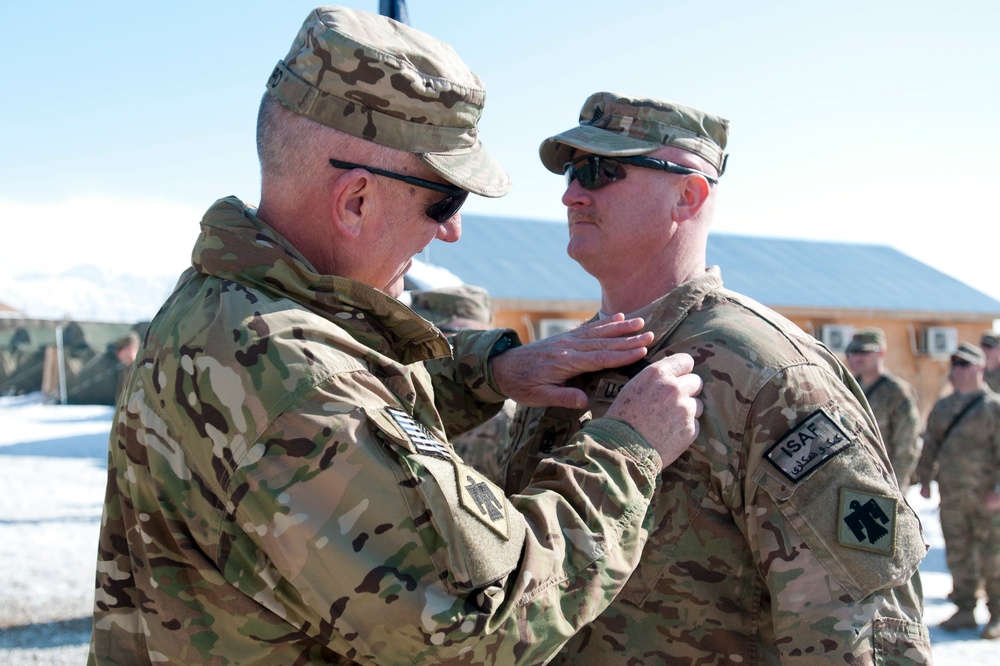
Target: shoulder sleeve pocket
<point>479,530</point>
<point>849,512</point>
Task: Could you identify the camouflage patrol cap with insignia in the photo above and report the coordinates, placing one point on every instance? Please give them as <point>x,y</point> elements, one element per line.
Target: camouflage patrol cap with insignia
<point>867,340</point>
<point>969,352</point>
<point>386,82</point>
<point>619,126</point>
<point>459,307</point>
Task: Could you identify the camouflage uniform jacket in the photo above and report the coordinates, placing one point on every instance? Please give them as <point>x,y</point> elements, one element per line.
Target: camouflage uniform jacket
<point>481,447</point>
<point>780,535</point>
<point>967,463</point>
<point>992,379</point>
<point>281,490</point>
<point>895,407</point>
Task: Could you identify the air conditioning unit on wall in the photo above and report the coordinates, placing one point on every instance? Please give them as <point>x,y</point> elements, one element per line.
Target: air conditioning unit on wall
<point>549,327</point>
<point>940,340</point>
<point>836,336</point>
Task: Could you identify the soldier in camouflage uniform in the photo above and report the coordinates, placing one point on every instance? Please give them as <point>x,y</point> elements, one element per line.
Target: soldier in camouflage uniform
<point>780,536</point>
<point>281,489</point>
<point>460,308</point>
<point>21,364</point>
<point>990,343</point>
<point>962,453</point>
<point>892,400</point>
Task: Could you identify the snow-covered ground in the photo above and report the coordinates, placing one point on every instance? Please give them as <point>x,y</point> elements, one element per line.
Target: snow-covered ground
<point>52,473</point>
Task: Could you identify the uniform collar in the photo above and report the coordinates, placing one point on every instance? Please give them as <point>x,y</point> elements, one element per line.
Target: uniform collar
<point>237,245</point>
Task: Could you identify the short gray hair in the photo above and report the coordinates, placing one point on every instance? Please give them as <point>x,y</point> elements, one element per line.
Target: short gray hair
<point>287,144</point>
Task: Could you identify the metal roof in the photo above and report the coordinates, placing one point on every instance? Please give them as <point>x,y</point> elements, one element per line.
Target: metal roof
<point>524,259</point>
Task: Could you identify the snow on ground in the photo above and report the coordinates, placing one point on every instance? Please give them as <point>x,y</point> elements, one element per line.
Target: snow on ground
<point>53,465</point>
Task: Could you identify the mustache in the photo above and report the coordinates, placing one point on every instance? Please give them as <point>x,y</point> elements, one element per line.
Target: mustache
<point>574,217</point>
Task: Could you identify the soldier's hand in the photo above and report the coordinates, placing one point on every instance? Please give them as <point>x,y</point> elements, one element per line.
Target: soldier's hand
<point>660,403</point>
<point>533,375</point>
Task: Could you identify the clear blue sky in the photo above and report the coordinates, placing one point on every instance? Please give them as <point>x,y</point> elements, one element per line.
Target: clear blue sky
<point>853,121</point>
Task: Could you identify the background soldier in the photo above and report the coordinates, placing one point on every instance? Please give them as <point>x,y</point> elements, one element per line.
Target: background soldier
<point>962,453</point>
<point>764,546</point>
<point>990,342</point>
<point>453,310</point>
<point>22,364</point>
<point>892,401</point>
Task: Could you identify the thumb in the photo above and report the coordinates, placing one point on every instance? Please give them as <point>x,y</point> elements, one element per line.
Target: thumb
<point>678,364</point>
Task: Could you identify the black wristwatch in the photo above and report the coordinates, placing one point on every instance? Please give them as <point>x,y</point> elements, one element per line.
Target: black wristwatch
<point>506,341</point>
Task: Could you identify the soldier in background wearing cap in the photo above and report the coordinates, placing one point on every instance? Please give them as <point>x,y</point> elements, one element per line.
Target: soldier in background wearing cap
<point>780,536</point>
<point>892,401</point>
<point>990,342</point>
<point>962,453</point>
<point>466,308</point>
<point>281,488</point>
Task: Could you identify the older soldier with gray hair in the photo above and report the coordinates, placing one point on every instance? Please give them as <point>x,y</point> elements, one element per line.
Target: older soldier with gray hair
<point>281,488</point>
<point>780,536</point>
<point>962,453</point>
<point>892,401</point>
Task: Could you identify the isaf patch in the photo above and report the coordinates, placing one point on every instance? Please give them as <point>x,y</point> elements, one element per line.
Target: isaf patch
<point>420,437</point>
<point>866,521</point>
<point>807,446</point>
<point>483,500</point>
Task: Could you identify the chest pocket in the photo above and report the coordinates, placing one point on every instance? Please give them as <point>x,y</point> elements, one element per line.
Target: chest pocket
<point>677,504</point>
<point>535,433</point>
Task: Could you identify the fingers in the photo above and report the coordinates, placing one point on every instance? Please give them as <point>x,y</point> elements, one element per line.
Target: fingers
<point>613,332</point>
<point>610,326</point>
<point>554,396</point>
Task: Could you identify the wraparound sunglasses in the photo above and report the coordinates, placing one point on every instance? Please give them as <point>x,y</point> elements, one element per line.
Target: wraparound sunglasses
<point>439,211</point>
<point>595,171</point>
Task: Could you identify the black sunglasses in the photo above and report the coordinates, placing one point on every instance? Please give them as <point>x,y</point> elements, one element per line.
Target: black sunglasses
<point>960,363</point>
<point>439,211</point>
<point>595,171</point>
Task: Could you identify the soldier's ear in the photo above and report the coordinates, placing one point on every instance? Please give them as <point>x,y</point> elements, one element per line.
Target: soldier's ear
<point>692,194</point>
<point>351,201</point>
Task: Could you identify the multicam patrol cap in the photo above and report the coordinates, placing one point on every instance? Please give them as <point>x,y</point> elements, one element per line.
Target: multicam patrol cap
<point>386,82</point>
<point>462,306</point>
<point>971,353</point>
<point>615,125</point>
<point>867,340</point>
<point>990,339</point>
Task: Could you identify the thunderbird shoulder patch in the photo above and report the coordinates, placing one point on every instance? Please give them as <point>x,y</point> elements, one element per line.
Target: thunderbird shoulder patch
<point>866,521</point>
<point>483,500</point>
<point>807,446</point>
<point>419,436</point>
